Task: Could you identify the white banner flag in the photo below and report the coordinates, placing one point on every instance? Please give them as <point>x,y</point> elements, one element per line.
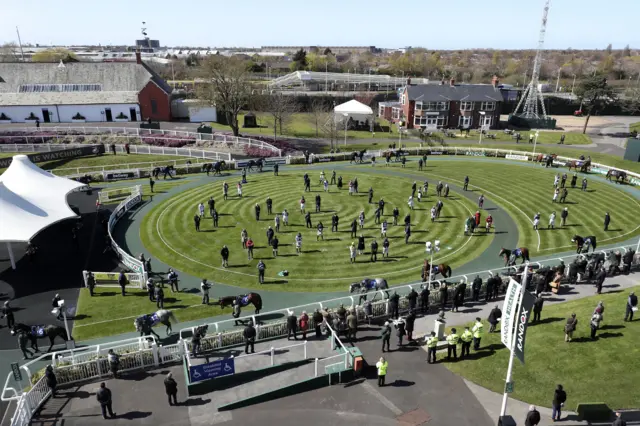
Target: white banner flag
<point>510,312</point>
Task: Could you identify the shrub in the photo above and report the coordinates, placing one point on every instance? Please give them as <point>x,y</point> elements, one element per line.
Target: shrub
<point>31,116</point>
<point>121,116</point>
<point>4,117</point>
<point>78,116</point>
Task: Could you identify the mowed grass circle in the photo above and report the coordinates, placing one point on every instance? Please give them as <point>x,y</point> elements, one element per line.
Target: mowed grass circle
<point>523,190</point>
<point>169,234</point>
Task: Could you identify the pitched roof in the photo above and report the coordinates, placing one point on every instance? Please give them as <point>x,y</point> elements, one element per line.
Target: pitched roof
<point>461,92</point>
<point>68,98</point>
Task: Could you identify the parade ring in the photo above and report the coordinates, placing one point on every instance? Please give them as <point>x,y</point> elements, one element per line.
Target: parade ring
<point>168,232</point>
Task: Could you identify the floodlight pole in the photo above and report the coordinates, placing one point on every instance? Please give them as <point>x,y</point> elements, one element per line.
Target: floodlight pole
<point>535,142</point>
<point>482,114</point>
<point>505,396</point>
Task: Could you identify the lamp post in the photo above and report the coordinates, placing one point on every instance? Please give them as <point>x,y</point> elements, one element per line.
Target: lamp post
<point>573,85</point>
<point>558,80</point>
<point>482,114</point>
<point>431,249</point>
<point>345,127</point>
<point>69,342</point>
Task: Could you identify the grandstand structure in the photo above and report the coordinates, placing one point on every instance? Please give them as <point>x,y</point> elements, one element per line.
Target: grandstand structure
<point>345,82</point>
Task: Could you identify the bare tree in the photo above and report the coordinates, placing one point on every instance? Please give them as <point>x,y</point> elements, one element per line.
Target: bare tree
<point>330,127</point>
<point>281,107</point>
<point>228,89</point>
<point>317,114</point>
<point>9,52</point>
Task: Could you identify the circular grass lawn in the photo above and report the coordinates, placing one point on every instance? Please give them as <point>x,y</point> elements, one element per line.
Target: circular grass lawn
<point>523,190</point>
<point>169,234</point>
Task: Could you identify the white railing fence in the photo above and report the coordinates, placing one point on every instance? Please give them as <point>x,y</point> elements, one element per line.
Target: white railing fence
<point>134,133</point>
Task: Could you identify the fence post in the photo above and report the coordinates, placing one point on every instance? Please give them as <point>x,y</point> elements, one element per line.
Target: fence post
<point>316,367</point>
<point>156,358</point>
<point>272,355</point>
<point>305,349</point>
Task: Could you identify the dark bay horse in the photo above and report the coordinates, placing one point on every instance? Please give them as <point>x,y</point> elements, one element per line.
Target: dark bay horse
<point>619,175</point>
<point>510,256</point>
<point>581,243</point>
<point>443,269</point>
<point>35,332</point>
<point>369,284</point>
<point>259,163</point>
<point>242,301</point>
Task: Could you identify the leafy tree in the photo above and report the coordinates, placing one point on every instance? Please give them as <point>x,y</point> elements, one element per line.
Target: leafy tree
<point>55,54</point>
<point>594,93</point>
<point>228,87</point>
<point>631,102</point>
<point>300,60</point>
<point>255,67</point>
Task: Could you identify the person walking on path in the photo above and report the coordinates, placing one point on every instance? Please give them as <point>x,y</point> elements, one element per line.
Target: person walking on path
<point>432,345</point>
<point>599,279</point>
<point>171,388</point>
<point>478,331</point>
<point>632,306</point>
<point>103,395</point>
<point>410,324</point>
<point>249,334</point>
<point>533,417</point>
<point>204,288</point>
<point>570,327</point>
<point>151,183</point>
<point>385,335</point>
<point>382,366</point>
<point>559,398</point>
<point>465,339</point>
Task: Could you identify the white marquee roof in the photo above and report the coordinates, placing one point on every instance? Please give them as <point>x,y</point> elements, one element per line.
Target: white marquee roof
<point>31,199</point>
<point>353,107</point>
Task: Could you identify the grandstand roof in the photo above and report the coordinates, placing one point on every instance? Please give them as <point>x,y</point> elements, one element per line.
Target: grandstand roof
<point>31,200</point>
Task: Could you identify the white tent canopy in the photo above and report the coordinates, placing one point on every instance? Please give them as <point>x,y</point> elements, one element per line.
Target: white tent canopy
<point>31,199</point>
<point>353,107</point>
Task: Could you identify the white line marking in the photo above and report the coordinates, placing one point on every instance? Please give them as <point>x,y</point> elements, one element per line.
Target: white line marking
<point>288,278</point>
<point>385,401</point>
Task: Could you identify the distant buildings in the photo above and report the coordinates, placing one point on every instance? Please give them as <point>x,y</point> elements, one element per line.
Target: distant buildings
<point>82,91</point>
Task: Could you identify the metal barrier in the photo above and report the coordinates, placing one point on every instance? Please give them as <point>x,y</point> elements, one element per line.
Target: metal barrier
<point>228,141</point>
<point>127,260</point>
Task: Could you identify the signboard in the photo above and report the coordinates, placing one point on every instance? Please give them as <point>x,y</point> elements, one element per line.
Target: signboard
<point>509,312</point>
<point>436,153</point>
<point>130,174</point>
<point>516,157</point>
<point>521,324</point>
<point>58,154</point>
<point>211,370</point>
<point>17,374</point>
<point>508,387</point>
<point>475,153</point>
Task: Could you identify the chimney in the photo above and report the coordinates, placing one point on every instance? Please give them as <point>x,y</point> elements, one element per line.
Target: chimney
<point>495,81</point>
<point>452,82</point>
<point>138,57</point>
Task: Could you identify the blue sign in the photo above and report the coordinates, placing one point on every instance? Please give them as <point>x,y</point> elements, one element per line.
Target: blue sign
<point>211,370</point>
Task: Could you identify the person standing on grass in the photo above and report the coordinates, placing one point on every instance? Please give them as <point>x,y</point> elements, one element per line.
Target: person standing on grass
<point>196,222</point>
<point>607,221</point>
<point>396,213</point>
<point>302,203</point>
<point>269,203</point>
<point>159,293</point>
<point>494,318</point>
<point>536,221</point>
<point>244,236</point>
<point>224,253</point>
<point>261,268</point>
<point>103,395</point>
<point>596,318</point>
<point>215,216</point>
<point>122,281</point>
<point>239,189</point>
<point>465,342</point>
<point>274,245</point>
<point>151,290</point>
<point>407,233</point>
<point>632,303</point>
<point>318,202</point>
<point>326,186</point>
<point>307,219</point>
<point>225,190</point>
<point>250,249</point>
<point>171,388</point>
<point>319,234</point>
<point>383,229</point>
<point>563,181</point>
<point>285,217</point>
<point>212,206</point>
<point>360,244</point>
<point>374,251</point>
<point>414,186</point>
<point>334,222</point>
<point>257,210</point>
<point>354,228</point>
<point>584,184</point>
<point>537,308</point>
<point>201,210</point>
<point>563,216</point>
<point>570,327</point>
<point>466,183</point>
<point>276,222</point>
<point>552,220</point>
<point>385,247</point>
<point>361,219</point>
<point>298,240</point>
<point>270,235</point>
<point>452,344</point>
<point>419,195</point>
<point>410,202</point>
<point>478,331</point>
<point>370,195</point>
<point>275,169</point>
<point>559,398</point>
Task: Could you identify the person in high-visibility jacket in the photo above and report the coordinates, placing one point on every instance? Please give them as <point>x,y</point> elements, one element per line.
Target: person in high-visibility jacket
<point>432,344</point>
<point>452,344</point>
<point>465,340</point>
<point>382,370</point>
<point>478,331</point>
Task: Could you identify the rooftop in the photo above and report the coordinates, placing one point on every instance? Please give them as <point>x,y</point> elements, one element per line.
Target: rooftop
<point>458,92</point>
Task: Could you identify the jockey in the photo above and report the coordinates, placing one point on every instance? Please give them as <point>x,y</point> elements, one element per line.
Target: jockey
<point>383,229</point>
<point>299,243</point>
<point>410,202</point>
<point>552,220</point>
<point>488,221</point>
<point>536,220</point>
<point>433,213</point>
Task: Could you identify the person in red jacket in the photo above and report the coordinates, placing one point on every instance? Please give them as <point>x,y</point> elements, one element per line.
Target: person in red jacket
<point>304,324</point>
<point>488,223</point>
<point>477,219</point>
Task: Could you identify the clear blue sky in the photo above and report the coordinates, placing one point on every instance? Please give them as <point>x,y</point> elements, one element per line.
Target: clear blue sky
<point>433,24</point>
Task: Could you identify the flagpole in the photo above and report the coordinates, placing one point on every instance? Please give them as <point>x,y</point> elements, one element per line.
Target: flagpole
<point>505,396</point>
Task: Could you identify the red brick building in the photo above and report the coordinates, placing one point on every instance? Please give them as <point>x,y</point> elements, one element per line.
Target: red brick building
<point>451,105</point>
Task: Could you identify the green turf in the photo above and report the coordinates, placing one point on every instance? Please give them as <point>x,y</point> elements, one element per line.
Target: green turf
<point>605,370</point>
<point>107,303</point>
<point>523,190</point>
<point>634,127</point>
<point>168,233</point>
<point>544,138</point>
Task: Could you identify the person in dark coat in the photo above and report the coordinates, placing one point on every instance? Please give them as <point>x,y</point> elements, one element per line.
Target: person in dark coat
<point>159,293</point>
<point>354,228</point>
<point>537,308</point>
<point>249,335</point>
<point>559,398</point>
<point>104,398</point>
<point>410,321</point>
<point>424,299</point>
<point>607,220</point>
<point>494,316</point>
<point>224,253</point>
<point>385,335</point>
<point>317,321</point>
<point>600,277</point>
<point>489,290</point>
<point>400,330</point>
<point>632,302</point>
<point>292,326</point>
<point>458,296</point>
<point>52,381</point>
<point>444,295</point>
<point>122,281</point>
<point>618,421</point>
<point>196,222</point>
<point>171,388</point>
<point>394,302</point>
<point>476,286</point>
<point>533,417</point>
<point>7,312</point>
<point>412,297</point>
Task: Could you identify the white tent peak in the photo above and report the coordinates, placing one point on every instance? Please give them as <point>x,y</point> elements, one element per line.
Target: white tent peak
<point>353,107</point>
<point>31,199</point>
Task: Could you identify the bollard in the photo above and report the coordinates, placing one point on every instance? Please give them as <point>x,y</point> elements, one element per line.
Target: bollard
<point>272,355</point>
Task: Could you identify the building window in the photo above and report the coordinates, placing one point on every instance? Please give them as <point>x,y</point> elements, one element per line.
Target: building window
<point>439,121</point>
<point>381,111</point>
<point>154,106</point>
<point>466,106</point>
<point>432,106</point>
<point>464,122</point>
<point>485,121</point>
<point>487,106</point>
<point>395,113</point>
<point>402,99</point>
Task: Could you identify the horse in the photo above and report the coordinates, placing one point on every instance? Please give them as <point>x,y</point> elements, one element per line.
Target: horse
<point>144,323</point>
<point>242,301</point>
<point>510,256</point>
<point>369,284</point>
<point>443,269</point>
<point>218,166</point>
<point>259,163</point>
<point>35,332</point>
<point>619,175</point>
<point>589,241</point>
